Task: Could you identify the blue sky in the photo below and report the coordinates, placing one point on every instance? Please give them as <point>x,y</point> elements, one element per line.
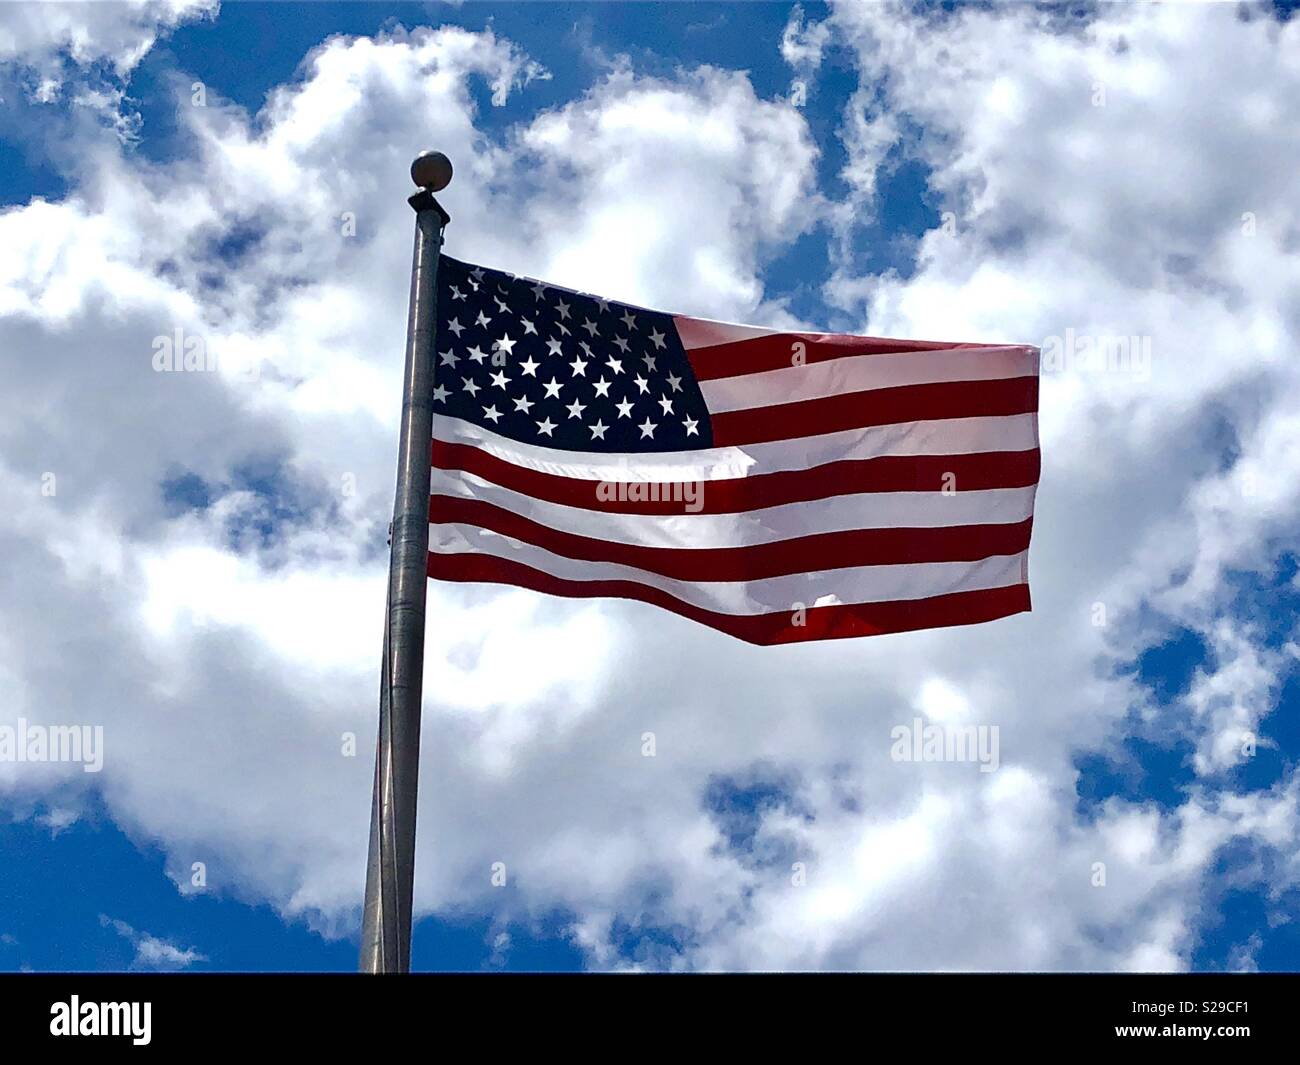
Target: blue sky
<point>89,874</point>
<point>60,886</point>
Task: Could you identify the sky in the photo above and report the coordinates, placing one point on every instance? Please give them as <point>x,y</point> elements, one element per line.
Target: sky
<point>195,560</point>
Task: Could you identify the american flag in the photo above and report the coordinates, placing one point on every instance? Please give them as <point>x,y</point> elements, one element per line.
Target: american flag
<point>776,486</point>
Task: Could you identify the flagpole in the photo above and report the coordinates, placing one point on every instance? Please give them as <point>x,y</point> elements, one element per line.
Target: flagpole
<point>390,867</point>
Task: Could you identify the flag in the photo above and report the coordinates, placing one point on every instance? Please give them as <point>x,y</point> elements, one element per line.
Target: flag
<point>777,486</point>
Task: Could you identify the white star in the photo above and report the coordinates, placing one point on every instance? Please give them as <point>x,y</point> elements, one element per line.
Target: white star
<point>649,361</point>
<point>614,364</point>
<point>546,426</point>
<point>554,345</point>
<point>590,326</point>
<point>598,430</point>
<point>691,423</point>
<point>553,389</point>
<point>478,273</point>
<point>674,382</point>
<point>528,327</point>
<point>624,408</point>
<point>441,393</point>
<point>529,367</point>
<point>602,387</point>
<point>579,367</point>
<point>524,404</point>
<point>492,414</point>
<point>470,386</point>
<point>622,344</point>
<point>642,383</point>
<point>482,319</point>
<point>505,344</point>
<point>456,294</point>
<point>449,358</point>
<point>575,409</point>
<point>647,428</point>
<point>586,349</point>
<point>455,327</point>
<point>562,328</point>
<point>603,304</point>
<point>563,308</point>
<point>477,354</point>
<point>657,338</point>
<point>501,304</point>
<point>629,321</point>
<point>538,289</point>
<point>667,405</point>
<point>499,379</point>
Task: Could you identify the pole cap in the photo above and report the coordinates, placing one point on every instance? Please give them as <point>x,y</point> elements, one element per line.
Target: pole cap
<point>431,170</point>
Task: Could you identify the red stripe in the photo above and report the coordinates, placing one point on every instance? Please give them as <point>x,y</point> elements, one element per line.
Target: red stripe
<point>889,473</point>
<point>777,351</point>
<point>879,406</point>
<point>819,551</point>
<point>815,623</point>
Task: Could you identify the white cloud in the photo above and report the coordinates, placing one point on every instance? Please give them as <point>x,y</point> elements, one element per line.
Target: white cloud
<point>227,670</point>
<point>152,952</point>
<point>84,53</point>
<point>120,32</point>
<point>1229,702</point>
<point>802,43</point>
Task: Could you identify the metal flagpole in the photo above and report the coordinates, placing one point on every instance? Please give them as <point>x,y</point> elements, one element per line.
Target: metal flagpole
<point>390,869</point>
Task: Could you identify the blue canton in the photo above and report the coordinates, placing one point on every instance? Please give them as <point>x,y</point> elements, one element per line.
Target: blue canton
<point>562,369</point>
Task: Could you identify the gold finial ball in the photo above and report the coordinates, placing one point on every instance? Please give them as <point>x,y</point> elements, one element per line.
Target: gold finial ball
<point>432,171</point>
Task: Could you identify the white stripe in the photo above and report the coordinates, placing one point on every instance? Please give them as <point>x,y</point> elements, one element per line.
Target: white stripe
<point>869,510</point>
<point>947,436</point>
<point>696,333</point>
<point>865,584</point>
<point>861,373</point>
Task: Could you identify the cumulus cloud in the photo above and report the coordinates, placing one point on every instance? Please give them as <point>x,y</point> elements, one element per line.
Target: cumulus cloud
<point>195,560</point>
<point>47,36</point>
<point>803,43</point>
<point>1066,157</point>
<point>244,247</point>
<point>82,54</point>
